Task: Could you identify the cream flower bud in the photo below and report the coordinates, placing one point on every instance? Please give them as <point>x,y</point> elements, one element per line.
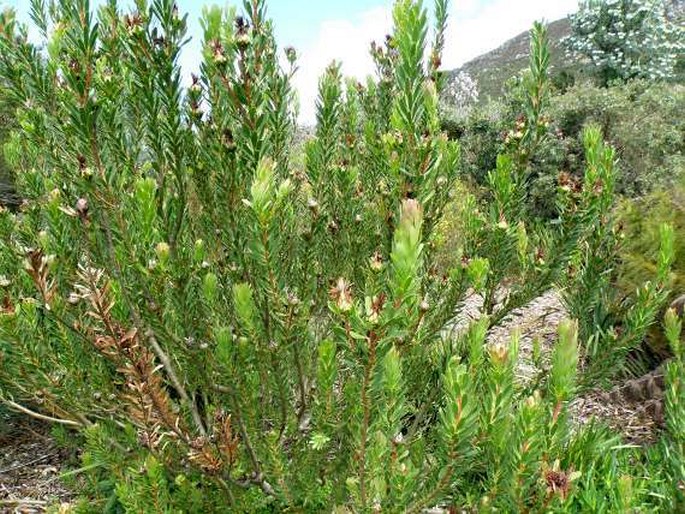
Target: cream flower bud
<point>162,251</point>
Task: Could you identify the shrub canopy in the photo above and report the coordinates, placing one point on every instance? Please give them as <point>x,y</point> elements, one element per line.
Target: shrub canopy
<point>227,328</point>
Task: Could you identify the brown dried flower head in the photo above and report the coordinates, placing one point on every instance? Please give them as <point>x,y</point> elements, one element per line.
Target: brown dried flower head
<point>558,480</point>
<point>376,261</point>
<point>375,307</point>
<point>341,294</point>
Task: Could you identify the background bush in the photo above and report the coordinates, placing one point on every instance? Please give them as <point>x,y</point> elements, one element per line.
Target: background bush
<point>640,119</point>
<point>640,220</point>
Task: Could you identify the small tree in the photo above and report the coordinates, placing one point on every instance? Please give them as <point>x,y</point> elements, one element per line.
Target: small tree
<point>626,39</point>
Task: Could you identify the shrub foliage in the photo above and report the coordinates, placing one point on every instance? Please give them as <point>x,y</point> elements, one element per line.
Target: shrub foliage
<point>639,119</point>
<point>627,39</point>
<point>227,329</point>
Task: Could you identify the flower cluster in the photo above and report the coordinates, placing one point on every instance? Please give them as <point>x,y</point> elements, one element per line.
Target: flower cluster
<point>625,39</point>
<point>460,94</point>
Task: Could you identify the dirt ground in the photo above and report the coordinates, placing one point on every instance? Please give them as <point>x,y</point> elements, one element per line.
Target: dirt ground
<point>30,467</point>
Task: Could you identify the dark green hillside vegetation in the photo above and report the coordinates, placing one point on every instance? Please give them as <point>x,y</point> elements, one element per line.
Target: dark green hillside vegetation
<point>643,122</point>
<point>221,325</point>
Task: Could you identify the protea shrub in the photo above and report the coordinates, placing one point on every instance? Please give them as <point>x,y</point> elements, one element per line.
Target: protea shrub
<point>232,327</point>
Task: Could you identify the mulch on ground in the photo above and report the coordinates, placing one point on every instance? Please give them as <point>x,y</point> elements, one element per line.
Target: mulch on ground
<point>30,467</point>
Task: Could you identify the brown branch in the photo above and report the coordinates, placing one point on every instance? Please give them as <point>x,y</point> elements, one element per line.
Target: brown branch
<point>421,503</point>
<point>300,372</point>
<point>258,474</point>
<point>166,362</point>
<point>367,414</point>
<point>269,333</point>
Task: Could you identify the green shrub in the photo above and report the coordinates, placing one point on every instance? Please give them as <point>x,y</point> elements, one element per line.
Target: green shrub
<point>480,138</point>
<point>486,132</point>
<point>640,220</point>
<point>641,119</point>
<point>7,194</point>
<point>231,332</point>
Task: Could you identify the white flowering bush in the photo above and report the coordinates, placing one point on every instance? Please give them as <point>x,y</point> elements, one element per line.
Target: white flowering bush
<point>459,95</point>
<point>626,39</point>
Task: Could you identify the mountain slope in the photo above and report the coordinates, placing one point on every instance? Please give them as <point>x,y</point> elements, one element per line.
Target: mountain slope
<point>491,70</point>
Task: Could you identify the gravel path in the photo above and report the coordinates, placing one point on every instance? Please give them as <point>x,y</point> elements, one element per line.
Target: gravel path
<point>537,320</point>
<point>637,419</point>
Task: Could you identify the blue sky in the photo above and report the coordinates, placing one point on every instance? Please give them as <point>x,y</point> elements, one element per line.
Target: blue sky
<point>323,30</point>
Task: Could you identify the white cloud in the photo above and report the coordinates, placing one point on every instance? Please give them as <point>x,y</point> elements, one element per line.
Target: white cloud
<point>343,40</point>
<point>473,29</point>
